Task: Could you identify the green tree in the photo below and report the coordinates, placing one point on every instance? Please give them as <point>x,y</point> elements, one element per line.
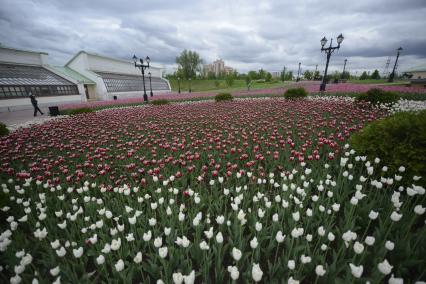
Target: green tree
<point>253,75</point>
<point>229,79</point>
<point>189,63</point>
<point>364,76</point>
<point>282,76</point>
<point>317,75</point>
<point>346,75</point>
<point>248,82</point>
<point>262,74</point>
<point>308,75</point>
<point>375,75</point>
<point>268,77</point>
<point>289,76</point>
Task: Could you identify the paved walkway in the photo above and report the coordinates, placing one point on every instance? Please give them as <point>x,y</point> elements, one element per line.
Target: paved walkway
<point>15,119</point>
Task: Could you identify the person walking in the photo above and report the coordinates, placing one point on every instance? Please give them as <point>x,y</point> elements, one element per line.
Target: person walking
<point>35,104</point>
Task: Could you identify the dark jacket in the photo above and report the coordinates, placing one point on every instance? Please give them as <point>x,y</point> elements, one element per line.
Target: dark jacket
<point>33,100</point>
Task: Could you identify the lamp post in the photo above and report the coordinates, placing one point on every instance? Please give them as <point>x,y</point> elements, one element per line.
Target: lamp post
<point>328,51</point>
<point>142,66</point>
<point>392,75</point>
<point>179,85</point>
<point>344,67</point>
<point>150,84</point>
<point>298,73</point>
<point>189,84</point>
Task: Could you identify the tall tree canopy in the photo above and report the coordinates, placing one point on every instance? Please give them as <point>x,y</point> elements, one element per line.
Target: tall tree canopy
<point>189,63</point>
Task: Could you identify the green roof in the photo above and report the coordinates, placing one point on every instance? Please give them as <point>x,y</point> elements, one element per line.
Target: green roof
<point>74,75</point>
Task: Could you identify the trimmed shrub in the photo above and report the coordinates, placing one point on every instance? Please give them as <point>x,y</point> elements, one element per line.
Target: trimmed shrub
<point>378,96</point>
<point>398,140</point>
<point>223,97</point>
<point>3,130</point>
<point>80,111</point>
<point>160,102</point>
<point>295,93</point>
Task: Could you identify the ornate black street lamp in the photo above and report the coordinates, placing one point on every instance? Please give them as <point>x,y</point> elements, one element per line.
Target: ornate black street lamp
<point>328,50</point>
<point>344,67</point>
<point>179,84</point>
<point>142,67</point>
<point>189,84</point>
<point>392,75</point>
<point>150,84</point>
<point>298,73</point>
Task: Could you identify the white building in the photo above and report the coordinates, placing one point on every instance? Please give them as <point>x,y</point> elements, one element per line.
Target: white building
<point>86,77</point>
<point>24,71</point>
<point>418,76</point>
<point>115,77</point>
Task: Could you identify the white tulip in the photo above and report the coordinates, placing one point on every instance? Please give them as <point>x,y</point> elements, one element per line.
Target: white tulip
<point>177,278</point>
<point>291,264</point>
<point>393,280</point>
<point>158,242</point>
<point>119,266</point>
<point>305,259</point>
<point>419,210</point>
<point>233,270</point>
<point>369,240</point>
<point>385,267</point>
<point>55,271</point>
<point>256,272</point>
<point>116,244</point>
<point>258,226</point>
<point>138,258</point>
<point>61,252</point>
<point>254,243</point>
<point>373,215</point>
<point>358,247</point>
<point>100,259</point>
<point>356,270</point>
<point>319,270</point>
<point>395,216</point>
<point>219,238</point>
<point>190,278</point>
<point>280,237</point>
<point>389,245</point>
<point>296,216</point>
<point>291,280</point>
<point>163,252</point>
<point>236,254</point>
<point>204,245</point>
<point>78,252</point>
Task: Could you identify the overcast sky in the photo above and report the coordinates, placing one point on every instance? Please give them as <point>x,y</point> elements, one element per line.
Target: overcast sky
<point>247,34</point>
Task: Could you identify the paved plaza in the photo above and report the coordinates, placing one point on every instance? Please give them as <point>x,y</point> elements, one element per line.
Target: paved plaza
<point>22,118</point>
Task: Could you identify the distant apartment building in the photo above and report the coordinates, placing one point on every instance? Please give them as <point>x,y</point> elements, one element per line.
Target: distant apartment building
<point>217,68</point>
<point>276,74</point>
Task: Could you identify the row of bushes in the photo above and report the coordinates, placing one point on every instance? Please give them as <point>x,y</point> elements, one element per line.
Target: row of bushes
<point>374,96</point>
<point>377,96</point>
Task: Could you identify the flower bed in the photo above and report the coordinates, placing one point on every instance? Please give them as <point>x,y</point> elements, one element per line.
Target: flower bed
<point>254,190</point>
<point>311,87</point>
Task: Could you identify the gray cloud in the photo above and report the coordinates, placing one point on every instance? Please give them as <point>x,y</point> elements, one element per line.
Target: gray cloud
<point>247,34</point>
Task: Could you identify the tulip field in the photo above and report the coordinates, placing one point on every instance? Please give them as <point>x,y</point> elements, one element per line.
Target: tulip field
<point>254,190</point>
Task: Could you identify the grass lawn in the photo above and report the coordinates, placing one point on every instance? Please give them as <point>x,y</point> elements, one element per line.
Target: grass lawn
<point>379,81</point>
<point>210,85</point>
